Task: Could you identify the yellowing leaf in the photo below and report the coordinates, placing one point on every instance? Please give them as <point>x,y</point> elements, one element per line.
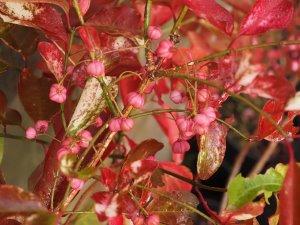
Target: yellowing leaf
<point>211,150</point>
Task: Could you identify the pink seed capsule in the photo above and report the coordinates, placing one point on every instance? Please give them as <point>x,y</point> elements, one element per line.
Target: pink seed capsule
<point>115,124</point>
<point>164,49</point>
<point>202,95</point>
<point>180,146</point>
<point>77,184</point>
<point>136,100</point>
<point>202,120</point>
<point>210,113</point>
<point>177,96</point>
<point>150,88</point>
<point>154,33</point>
<point>84,138</point>
<point>95,68</point>
<point>31,133</point>
<point>200,130</point>
<point>71,144</point>
<point>58,93</point>
<point>41,126</point>
<point>126,124</point>
<point>98,122</point>
<point>62,152</point>
<point>153,219</point>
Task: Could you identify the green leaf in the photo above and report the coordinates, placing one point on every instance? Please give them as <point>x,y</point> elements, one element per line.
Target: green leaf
<point>244,190</point>
<point>86,173</point>
<point>87,219</point>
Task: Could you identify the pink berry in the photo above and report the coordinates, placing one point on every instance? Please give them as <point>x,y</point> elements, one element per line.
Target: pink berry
<point>180,146</point>
<point>154,33</point>
<point>153,220</point>
<point>58,93</point>
<point>126,124</point>
<point>200,130</point>
<point>95,68</point>
<point>62,152</point>
<point>77,184</point>
<point>178,157</point>
<point>98,122</point>
<point>177,96</point>
<point>164,49</point>
<point>115,124</point>
<point>41,126</point>
<point>294,66</point>
<point>31,133</point>
<point>202,95</point>
<point>186,128</point>
<point>136,100</point>
<point>71,144</point>
<point>150,88</point>
<point>202,120</point>
<point>84,138</point>
<point>210,113</point>
<point>139,220</point>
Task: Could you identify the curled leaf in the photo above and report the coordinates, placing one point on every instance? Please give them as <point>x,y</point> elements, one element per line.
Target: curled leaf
<point>212,149</point>
<point>90,104</point>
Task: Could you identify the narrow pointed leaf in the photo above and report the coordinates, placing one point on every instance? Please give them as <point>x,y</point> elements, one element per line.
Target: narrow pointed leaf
<point>244,190</point>
<point>289,196</point>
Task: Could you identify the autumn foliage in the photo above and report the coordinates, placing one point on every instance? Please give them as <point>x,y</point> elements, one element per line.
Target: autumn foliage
<point>203,72</point>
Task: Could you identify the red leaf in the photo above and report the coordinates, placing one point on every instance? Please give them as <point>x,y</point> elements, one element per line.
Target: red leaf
<point>168,126</point>
<point>3,102</point>
<point>213,12</point>
<point>117,220</point>
<point>161,11</point>
<point>90,38</point>
<point>212,147</point>
<point>47,177</point>
<point>128,85</point>
<point>16,201</point>
<point>248,211</point>
<point>84,5</point>
<point>172,213</point>
<point>37,15</point>
<point>171,183</point>
<point>53,58</point>
<point>33,93</point>
<point>143,151</point>
<point>136,172</point>
<point>266,15</point>
<point>289,195</point>
<point>276,110</point>
<point>107,205</point>
<point>108,178</point>
<point>120,20</point>
<point>271,87</point>
<point>61,3</point>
